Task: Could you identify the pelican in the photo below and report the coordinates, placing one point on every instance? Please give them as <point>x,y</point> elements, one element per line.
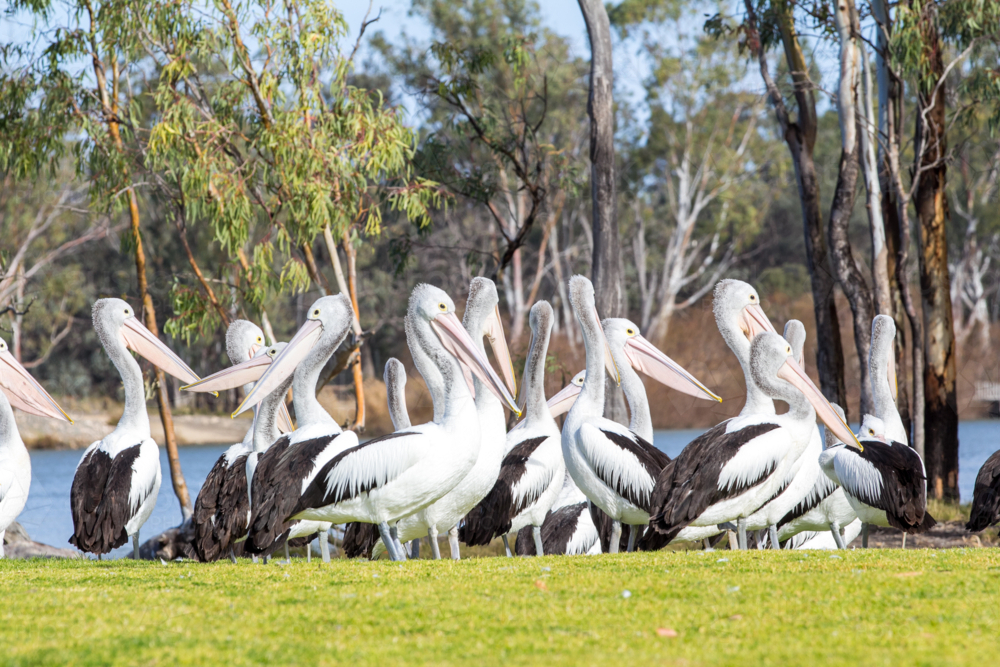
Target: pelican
<point>222,510</point>
<point>388,478</point>
<point>482,318</point>
<point>883,478</point>
<point>265,431</point>
<point>985,496</point>
<point>568,528</point>
<point>116,482</point>
<point>283,470</point>
<point>18,390</point>
<point>531,475</point>
<point>733,469</point>
<point>805,471</point>
<point>613,467</point>
<point>824,512</point>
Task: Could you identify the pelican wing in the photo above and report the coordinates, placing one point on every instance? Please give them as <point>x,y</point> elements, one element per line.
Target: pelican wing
<point>359,469</point>
<point>205,506</point>
<point>889,477</point>
<point>698,478</point>
<point>622,460</point>
<point>821,489</point>
<point>233,508</point>
<point>986,496</point>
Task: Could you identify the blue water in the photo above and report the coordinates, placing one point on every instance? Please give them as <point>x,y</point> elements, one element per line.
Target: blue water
<point>47,518</point>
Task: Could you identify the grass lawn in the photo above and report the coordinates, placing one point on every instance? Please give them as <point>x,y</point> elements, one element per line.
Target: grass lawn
<point>875,607</point>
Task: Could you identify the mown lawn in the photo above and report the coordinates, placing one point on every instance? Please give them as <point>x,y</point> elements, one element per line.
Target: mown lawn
<point>756,608</point>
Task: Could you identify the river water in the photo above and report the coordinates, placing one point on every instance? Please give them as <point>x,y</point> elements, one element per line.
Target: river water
<point>47,517</point>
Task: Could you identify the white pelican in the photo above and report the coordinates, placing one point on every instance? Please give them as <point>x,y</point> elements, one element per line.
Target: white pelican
<point>985,496</point>
<point>17,389</point>
<point>116,482</point>
<point>734,468</point>
<point>568,528</point>
<point>391,477</point>
<point>287,465</point>
<point>223,507</point>
<point>800,489</point>
<point>395,393</point>
<point>532,473</point>
<point>883,478</point>
<point>481,319</point>
<point>613,467</point>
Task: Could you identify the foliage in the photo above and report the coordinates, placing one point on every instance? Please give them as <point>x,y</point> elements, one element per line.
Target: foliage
<point>878,606</point>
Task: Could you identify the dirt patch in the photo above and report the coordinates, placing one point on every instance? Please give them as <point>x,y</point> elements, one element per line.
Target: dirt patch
<point>945,535</point>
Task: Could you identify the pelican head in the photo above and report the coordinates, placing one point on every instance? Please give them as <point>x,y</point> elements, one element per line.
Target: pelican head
<point>482,317</point>
<point>243,340</point>
<point>564,399</point>
<point>628,345</point>
<point>327,323</point>
<point>23,391</point>
<point>882,357</point>
<point>738,313</point>
<point>778,374</point>
<point>872,428</point>
<point>432,307</point>
<point>114,320</point>
<point>795,334</point>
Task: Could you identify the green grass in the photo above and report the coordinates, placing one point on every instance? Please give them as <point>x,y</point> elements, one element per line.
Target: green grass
<point>757,608</point>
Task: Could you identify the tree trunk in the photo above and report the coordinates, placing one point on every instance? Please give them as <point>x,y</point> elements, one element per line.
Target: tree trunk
<point>801,139</point>
<point>608,275</point>
<point>352,286</point>
<point>941,417</point>
<point>848,274</point>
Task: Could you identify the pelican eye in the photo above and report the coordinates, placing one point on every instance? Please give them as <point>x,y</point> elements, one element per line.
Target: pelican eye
<point>443,307</point>
<point>753,297</point>
<point>630,331</point>
<point>259,339</point>
<point>871,431</point>
<point>316,313</point>
<point>788,349</point>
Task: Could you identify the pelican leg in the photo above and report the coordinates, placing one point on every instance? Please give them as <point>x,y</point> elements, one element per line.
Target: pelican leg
<point>864,536</point>
<point>904,542</point>
<point>390,544</point>
<point>453,542</point>
<point>772,534</point>
<point>288,559</point>
<point>837,537</point>
<point>232,554</point>
<point>616,537</point>
<point>401,555</point>
<point>309,552</point>
<point>324,546</point>
<point>632,532</point>
<point>135,546</point>
<point>506,546</point>
<point>99,557</point>
<point>432,537</point>
<point>253,558</point>
<point>415,548</point>
<point>536,533</point>
<point>741,528</point>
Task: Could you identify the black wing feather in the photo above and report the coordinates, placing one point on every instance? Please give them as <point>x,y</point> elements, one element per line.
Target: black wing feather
<point>904,485</point>
<point>651,459</point>
<point>687,488</point>
<point>206,545</point>
<point>99,499</point>
<point>494,514</point>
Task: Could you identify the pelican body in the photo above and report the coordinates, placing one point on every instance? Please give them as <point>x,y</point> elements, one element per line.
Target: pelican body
<point>116,482</point>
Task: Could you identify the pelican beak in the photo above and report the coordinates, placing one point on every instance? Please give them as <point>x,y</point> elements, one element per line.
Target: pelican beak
<point>23,391</point>
<point>609,360</point>
<point>498,341</point>
<point>893,381</point>
<point>647,359</point>
<point>753,320</point>
<point>563,400</point>
<point>284,419</point>
<point>253,350</point>
<point>792,373</point>
<point>459,344</point>
<point>149,347</point>
<point>234,376</point>
<point>284,364</point>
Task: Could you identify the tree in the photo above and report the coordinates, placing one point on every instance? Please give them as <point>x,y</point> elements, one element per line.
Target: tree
<point>799,134</point>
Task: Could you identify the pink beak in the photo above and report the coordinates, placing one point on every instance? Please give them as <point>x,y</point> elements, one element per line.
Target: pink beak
<point>792,373</point>
<point>149,347</point>
<point>23,391</point>
<point>755,321</point>
<point>458,343</point>
<point>646,358</point>
<point>284,364</point>
<point>563,400</point>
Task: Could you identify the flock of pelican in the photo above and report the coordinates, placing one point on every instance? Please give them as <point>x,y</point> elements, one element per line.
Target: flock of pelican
<point>763,478</point>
